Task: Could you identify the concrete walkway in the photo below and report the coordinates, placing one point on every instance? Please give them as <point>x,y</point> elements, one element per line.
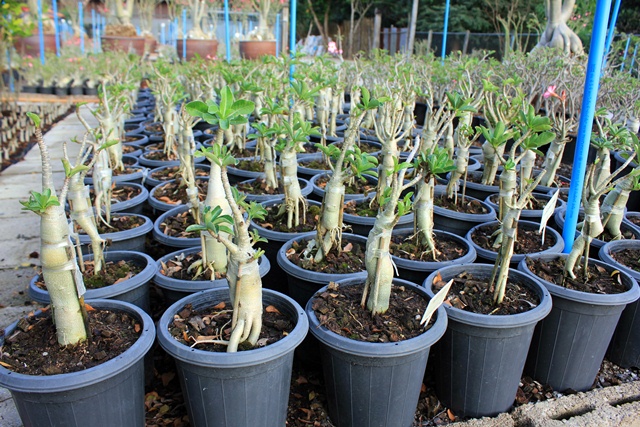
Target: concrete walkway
<point>20,231</point>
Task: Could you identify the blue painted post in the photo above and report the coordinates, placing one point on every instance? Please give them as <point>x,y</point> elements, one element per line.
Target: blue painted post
<point>162,34</point>
<point>94,30</point>
<point>612,27</point>
<point>292,35</point>
<point>633,58</point>
<point>626,49</point>
<point>81,24</point>
<point>41,31</point>
<point>592,79</point>
<point>227,32</point>
<point>175,33</point>
<point>184,34</point>
<point>278,41</point>
<point>444,31</point>
<point>56,28</point>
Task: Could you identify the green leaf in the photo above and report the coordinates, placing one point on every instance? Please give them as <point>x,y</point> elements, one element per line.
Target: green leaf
<point>35,119</point>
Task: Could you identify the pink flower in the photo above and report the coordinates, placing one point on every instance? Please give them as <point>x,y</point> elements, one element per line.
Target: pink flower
<point>551,91</point>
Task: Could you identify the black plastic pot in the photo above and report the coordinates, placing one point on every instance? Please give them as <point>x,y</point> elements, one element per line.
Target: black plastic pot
<point>479,191</point>
<point>479,361</point>
<point>237,175</point>
<point>111,394</point>
<point>534,215</point>
<point>126,240</point>
<point>134,205</point>
<point>151,182</point>
<point>175,289</point>
<point>490,257</point>
<point>362,225</point>
<point>457,222</point>
<point>569,345</point>
<point>304,283</point>
<point>244,389</point>
<point>135,177</point>
<point>305,190</point>
<point>76,90</point>
<point>624,349</point>
<point>374,384</point>
<point>276,278</point>
<point>61,91</point>
<point>306,172</point>
<point>416,271</point>
<point>134,290</point>
<point>91,91</point>
<point>319,192</point>
<point>173,243</point>
<point>159,205</point>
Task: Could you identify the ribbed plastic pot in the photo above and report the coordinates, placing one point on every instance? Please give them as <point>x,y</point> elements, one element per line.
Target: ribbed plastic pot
<point>569,345</point>
<point>151,182</point>
<point>134,290</point>
<point>126,240</point>
<point>135,204</point>
<point>135,119</point>
<point>111,394</point>
<point>158,205</point>
<point>276,278</point>
<point>175,289</point>
<point>171,242</point>
<point>319,192</point>
<point>479,191</point>
<point>487,256</point>
<point>362,225</point>
<point>244,389</point>
<point>624,349</point>
<point>416,271</point>
<point>305,190</point>
<point>458,222</point>
<point>596,244</point>
<point>304,283</point>
<point>374,384</point>
<point>534,215</point>
<point>479,361</point>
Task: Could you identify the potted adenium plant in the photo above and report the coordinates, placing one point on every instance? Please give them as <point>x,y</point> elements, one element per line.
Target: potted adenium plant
<point>261,40</point>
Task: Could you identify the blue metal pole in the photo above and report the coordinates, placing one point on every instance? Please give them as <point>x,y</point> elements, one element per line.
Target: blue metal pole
<point>94,31</point>
<point>81,25</point>
<point>292,35</point>
<point>184,34</point>
<point>227,31</point>
<point>56,28</point>
<point>624,57</point>
<point>11,85</point>
<point>592,79</point>
<point>444,31</point>
<point>612,27</point>
<point>41,31</point>
<point>278,41</point>
<point>633,58</point>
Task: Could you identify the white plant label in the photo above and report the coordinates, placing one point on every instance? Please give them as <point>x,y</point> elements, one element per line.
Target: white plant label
<point>547,212</point>
<point>435,302</point>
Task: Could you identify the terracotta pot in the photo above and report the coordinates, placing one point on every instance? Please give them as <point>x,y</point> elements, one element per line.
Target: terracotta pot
<point>117,43</point>
<point>31,45</point>
<point>203,48</point>
<point>254,49</point>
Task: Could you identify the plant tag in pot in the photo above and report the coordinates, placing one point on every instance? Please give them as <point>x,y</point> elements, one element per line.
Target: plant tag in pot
<point>435,302</point>
<point>547,212</point>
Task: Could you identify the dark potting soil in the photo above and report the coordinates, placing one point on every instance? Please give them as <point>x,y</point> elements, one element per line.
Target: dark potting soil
<point>315,164</point>
<point>159,155</point>
<point>363,146</point>
<point>250,166</point>
<point>527,241</point>
<point>357,186</point>
<point>112,273</point>
<point>339,310</point>
<point>348,260</point>
<point>259,187</point>
<point>198,328</point>
<point>127,170</point>
<point>366,208</point>
<point>128,149</point>
<point>635,220</point>
<point>166,174</point>
<point>273,221</point>
<point>447,249</point>
<point>599,280</point>
<point>33,348</point>
<point>473,294</point>
<point>628,257</point>
<point>179,268</point>
<point>155,128</point>
<point>463,206</point>
<point>175,192</point>
<point>120,223</point>
<point>176,225</point>
<point>119,193</point>
<point>533,204</point>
